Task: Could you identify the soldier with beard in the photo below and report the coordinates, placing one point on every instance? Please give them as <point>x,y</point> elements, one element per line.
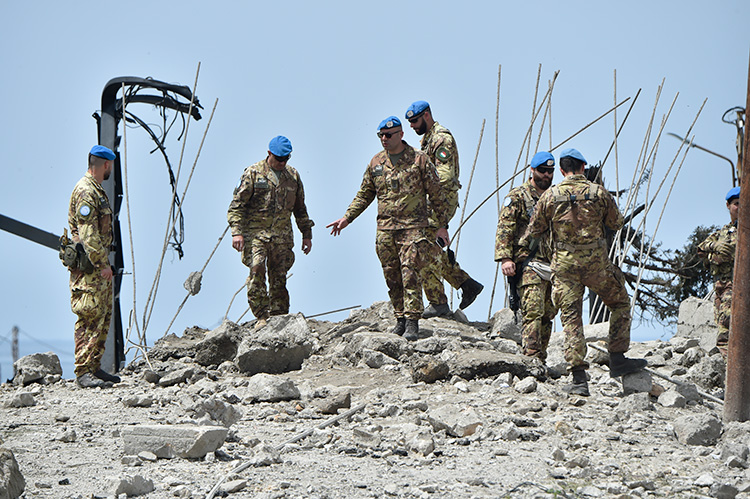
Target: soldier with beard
<point>521,264</point>
<point>576,213</point>
<point>440,146</point>
<point>90,221</point>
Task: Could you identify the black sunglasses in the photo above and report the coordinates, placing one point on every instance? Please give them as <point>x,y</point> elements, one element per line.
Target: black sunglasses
<point>282,159</point>
<point>545,169</point>
<point>387,135</point>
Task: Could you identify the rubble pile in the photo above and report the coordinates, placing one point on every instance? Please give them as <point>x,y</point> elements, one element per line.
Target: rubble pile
<point>236,412</point>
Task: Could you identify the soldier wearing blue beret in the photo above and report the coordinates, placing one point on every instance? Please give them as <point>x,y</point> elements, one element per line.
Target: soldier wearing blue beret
<point>269,193</point>
<point>440,146</point>
<point>718,251</point>
<point>90,222</point>
<point>402,179</point>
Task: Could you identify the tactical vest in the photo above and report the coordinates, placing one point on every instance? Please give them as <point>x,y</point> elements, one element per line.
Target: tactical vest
<point>592,194</point>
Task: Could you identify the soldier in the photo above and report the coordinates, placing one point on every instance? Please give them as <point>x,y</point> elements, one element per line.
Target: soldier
<point>718,251</point>
<point>90,221</point>
<point>577,212</point>
<point>259,216</point>
<point>401,178</point>
<point>521,264</point>
<point>440,147</point>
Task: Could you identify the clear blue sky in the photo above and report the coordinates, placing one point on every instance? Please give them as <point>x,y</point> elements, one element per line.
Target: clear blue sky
<point>324,74</point>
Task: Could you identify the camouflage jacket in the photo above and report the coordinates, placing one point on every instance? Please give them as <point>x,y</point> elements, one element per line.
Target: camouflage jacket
<point>264,201</point>
<point>518,207</point>
<point>577,212</point>
<point>401,189</point>
<point>439,145</point>
<point>720,264</point>
<point>90,220</point>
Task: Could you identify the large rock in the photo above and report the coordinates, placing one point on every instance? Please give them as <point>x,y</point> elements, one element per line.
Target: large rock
<point>268,388</point>
<point>504,325</point>
<point>130,486</point>
<point>695,319</point>
<point>35,367</point>
<point>12,483</point>
<point>279,347</point>
<point>473,363</point>
<point>207,348</point>
<point>701,429</point>
<point>169,441</point>
<point>389,344</point>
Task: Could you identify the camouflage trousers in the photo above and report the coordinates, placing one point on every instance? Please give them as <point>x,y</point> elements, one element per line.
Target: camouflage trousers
<point>723,311</point>
<point>270,254</point>
<point>572,272</point>
<point>538,313</point>
<point>91,301</point>
<point>402,253</point>
<point>439,267</point>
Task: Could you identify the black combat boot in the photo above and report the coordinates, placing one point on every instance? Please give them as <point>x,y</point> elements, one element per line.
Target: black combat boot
<point>400,326</point>
<point>619,365</point>
<point>470,289</point>
<point>105,376</point>
<point>432,310</point>
<point>412,330</point>
<point>87,380</point>
<point>580,385</point>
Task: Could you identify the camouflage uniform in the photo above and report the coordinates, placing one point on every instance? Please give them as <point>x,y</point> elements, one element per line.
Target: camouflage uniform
<point>580,260</point>
<point>403,240</point>
<point>440,147</point>
<point>90,221</point>
<point>261,211</point>
<point>722,268</point>
<point>535,293</point>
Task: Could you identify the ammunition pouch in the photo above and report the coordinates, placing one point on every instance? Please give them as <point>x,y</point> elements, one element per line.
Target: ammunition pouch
<point>74,256</point>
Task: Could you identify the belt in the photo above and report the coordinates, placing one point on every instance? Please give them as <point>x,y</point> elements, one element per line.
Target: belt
<point>580,247</point>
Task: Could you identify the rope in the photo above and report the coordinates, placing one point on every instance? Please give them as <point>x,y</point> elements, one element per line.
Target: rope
<point>149,308</point>
<point>471,177</point>
<point>200,272</point>
<point>232,300</point>
<point>497,182</point>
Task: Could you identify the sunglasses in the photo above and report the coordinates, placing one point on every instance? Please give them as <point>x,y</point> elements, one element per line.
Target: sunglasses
<point>545,169</point>
<point>387,135</point>
<point>282,159</point>
<point>415,119</point>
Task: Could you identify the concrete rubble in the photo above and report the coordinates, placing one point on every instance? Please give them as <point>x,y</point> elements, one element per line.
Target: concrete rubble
<point>458,413</point>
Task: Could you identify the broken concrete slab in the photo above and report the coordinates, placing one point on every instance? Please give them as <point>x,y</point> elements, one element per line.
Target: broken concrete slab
<point>279,347</point>
<point>35,367</point>
<point>169,441</point>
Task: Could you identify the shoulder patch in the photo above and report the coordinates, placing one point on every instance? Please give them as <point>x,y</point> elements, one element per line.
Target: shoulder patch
<point>507,201</point>
<point>443,154</point>
<point>84,210</point>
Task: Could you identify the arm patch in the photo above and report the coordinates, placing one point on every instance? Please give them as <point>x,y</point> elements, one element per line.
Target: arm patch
<point>443,154</point>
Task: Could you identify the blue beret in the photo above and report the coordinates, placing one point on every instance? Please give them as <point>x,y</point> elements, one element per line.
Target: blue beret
<point>542,158</point>
<point>280,146</point>
<point>416,109</point>
<point>573,153</point>
<point>734,192</point>
<point>102,152</point>
<point>389,122</point>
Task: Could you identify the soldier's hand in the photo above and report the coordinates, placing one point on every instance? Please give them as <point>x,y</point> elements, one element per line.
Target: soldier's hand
<point>238,243</point>
<point>337,226</point>
<point>442,233</point>
<point>107,273</point>
<point>306,246</point>
<point>724,248</point>
<point>508,267</point>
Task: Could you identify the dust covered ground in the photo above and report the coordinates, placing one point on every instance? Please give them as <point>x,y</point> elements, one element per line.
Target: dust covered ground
<point>458,413</point>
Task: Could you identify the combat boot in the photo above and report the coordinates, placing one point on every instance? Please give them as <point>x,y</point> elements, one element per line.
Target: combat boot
<point>412,330</point>
<point>580,385</point>
<point>619,365</point>
<point>470,289</point>
<point>87,380</point>
<point>105,376</point>
<point>400,326</point>
<point>432,310</point>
